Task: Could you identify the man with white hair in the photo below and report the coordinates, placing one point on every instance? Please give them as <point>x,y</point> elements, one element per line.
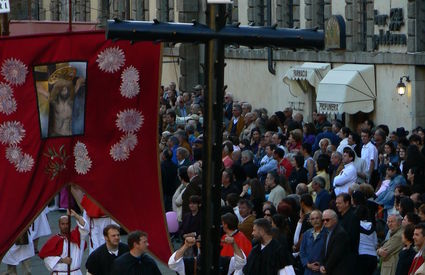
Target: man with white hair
<point>337,245</point>
<point>391,247</point>
<point>193,188</point>
<point>249,120</point>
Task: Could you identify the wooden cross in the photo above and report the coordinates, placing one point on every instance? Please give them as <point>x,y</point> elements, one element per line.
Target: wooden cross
<point>216,35</point>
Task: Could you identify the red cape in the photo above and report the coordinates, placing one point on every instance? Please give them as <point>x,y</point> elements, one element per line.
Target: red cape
<point>54,246</point>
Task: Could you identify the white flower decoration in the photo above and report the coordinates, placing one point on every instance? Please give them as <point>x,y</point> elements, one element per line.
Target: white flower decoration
<point>5,91</point>
<point>14,71</point>
<point>82,165</point>
<point>130,74</point>
<point>119,152</point>
<point>129,121</point>
<point>25,164</point>
<point>129,141</point>
<point>80,150</point>
<point>111,59</point>
<point>129,89</point>
<point>7,101</point>
<point>11,132</point>
<point>14,154</point>
<point>7,105</point>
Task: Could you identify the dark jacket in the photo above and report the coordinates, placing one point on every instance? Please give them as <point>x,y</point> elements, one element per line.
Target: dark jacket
<point>266,261</point>
<point>351,224</point>
<point>336,257</point>
<point>405,259</point>
<point>193,188</point>
<point>100,261</point>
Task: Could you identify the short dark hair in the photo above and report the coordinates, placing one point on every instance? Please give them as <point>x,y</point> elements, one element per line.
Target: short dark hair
<point>109,227</point>
<point>307,199</point>
<point>275,176</point>
<point>246,202</point>
<point>230,220</point>
<point>279,151</point>
<point>264,224</point>
<point>366,131</point>
<point>413,217</point>
<point>307,147</point>
<point>408,232</point>
<point>345,131</point>
<point>134,237</point>
<point>195,199</point>
<point>418,226</point>
<point>232,199</point>
<point>350,152</point>
<point>182,172</point>
<point>345,197</point>
<point>299,160</point>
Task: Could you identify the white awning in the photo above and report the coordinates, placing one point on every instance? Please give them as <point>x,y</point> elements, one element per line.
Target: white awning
<point>308,73</point>
<point>348,89</point>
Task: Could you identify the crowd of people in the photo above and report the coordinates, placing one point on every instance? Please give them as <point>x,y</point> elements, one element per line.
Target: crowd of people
<point>300,197</point>
<point>297,197</point>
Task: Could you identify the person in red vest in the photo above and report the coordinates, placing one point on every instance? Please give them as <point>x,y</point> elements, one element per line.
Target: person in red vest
<point>419,238</point>
<point>55,251</point>
<point>230,228</point>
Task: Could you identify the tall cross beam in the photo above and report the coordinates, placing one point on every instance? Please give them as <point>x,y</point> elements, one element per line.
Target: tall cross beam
<point>216,35</point>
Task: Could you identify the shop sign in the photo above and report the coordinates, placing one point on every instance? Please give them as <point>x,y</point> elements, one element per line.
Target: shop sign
<point>300,73</point>
<point>4,6</point>
<point>328,107</point>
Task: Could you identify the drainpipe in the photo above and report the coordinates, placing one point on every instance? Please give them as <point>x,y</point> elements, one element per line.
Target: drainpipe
<point>271,66</point>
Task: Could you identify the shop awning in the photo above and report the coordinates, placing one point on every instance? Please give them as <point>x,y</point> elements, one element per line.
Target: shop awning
<point>348,89</point>
<point>299,77</point>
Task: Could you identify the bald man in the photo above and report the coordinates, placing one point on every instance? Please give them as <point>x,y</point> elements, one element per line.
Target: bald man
<point>55,251</point>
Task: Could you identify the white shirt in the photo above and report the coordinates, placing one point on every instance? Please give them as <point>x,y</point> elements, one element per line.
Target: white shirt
<point>345,179</point>
<point>342,145</point>
<point>236,264</point>
<point>52,262</point>
<point>369,152</point>
<point>277,194</point>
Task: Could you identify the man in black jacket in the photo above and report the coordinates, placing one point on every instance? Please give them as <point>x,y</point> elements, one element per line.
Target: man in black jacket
<point>351,224</point>
<point>100,261</point>
<point>337,246</point>
<point>268,256</point>
<point>136,261</point>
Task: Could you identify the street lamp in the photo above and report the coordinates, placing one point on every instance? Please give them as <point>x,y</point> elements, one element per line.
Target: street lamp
<point>401,87</point>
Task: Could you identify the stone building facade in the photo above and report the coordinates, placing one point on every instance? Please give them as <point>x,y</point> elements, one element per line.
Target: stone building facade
<point>387,35</point>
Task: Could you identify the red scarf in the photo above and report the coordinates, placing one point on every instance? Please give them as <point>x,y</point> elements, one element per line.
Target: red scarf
<point>54,246</point>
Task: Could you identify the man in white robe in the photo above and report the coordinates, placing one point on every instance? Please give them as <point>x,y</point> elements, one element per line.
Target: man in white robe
<point>21,251</point>
<point>55,251</point>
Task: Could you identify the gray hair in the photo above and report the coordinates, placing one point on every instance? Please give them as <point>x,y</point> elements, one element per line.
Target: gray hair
<point>320,181</point>
<point>183,152</point>
<point>248,154</point>
<point>301,189</point>
<point>337,154</point>
<point>398,218</point>
<point>332,213</point>
<point>195,169</point>
<point>323,140</point>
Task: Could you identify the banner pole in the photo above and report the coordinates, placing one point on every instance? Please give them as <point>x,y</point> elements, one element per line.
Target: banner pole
<point>68,188</point>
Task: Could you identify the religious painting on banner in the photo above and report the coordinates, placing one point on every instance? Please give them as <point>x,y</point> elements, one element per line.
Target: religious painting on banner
<point>78,109</point>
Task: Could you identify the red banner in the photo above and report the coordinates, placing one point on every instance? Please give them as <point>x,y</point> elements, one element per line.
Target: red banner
<point>75,108</point>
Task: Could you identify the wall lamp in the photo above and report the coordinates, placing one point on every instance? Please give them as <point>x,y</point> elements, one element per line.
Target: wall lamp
<point>401,87</point>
